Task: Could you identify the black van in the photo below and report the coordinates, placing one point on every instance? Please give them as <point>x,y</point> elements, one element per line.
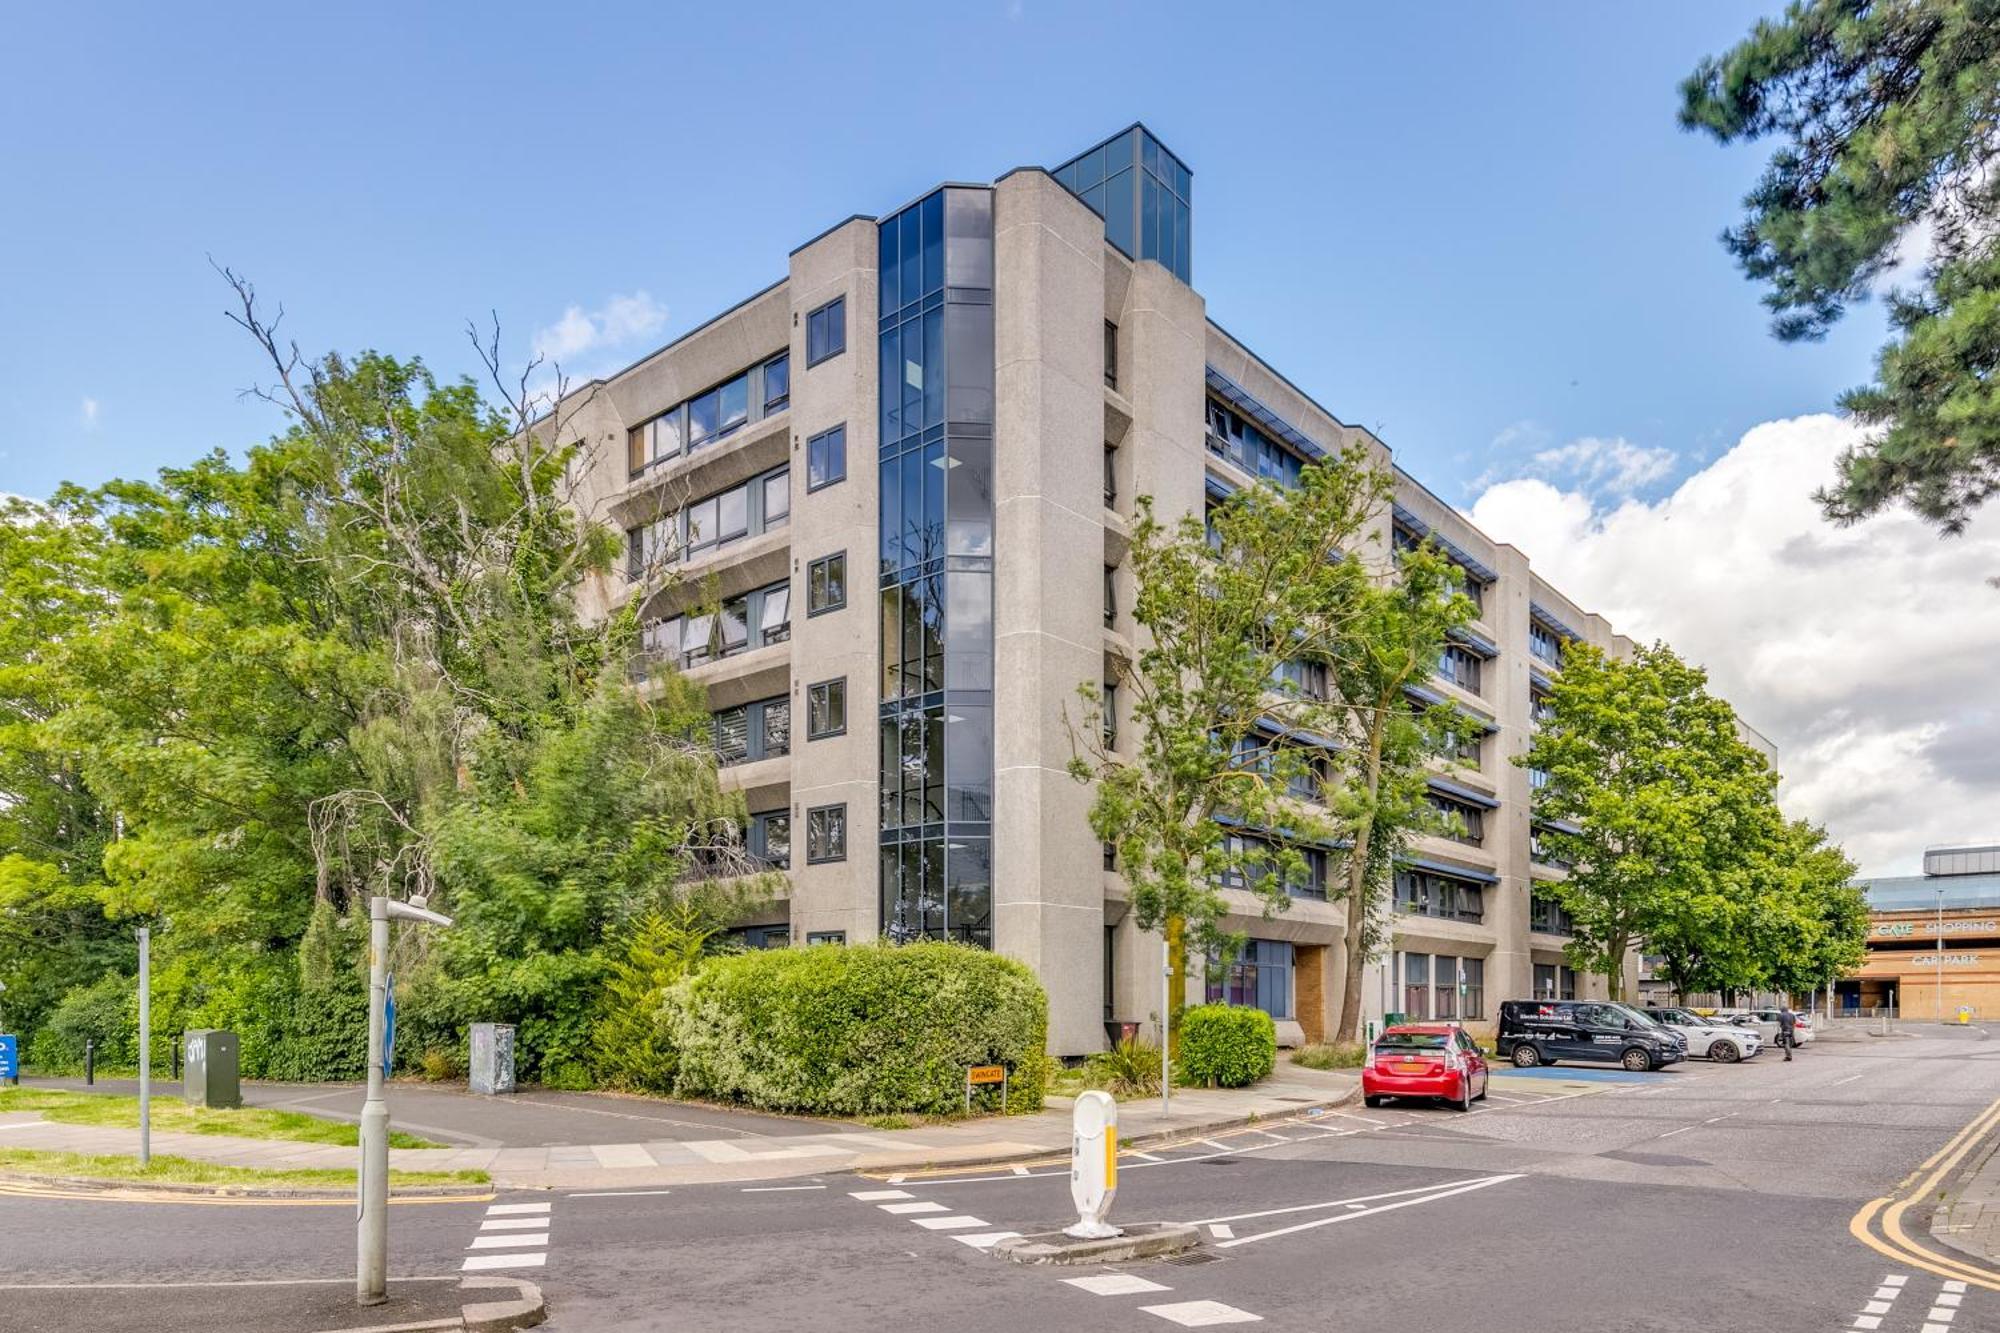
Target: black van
<point>1541,1032</point>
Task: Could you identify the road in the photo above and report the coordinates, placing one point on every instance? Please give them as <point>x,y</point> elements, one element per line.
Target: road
<point>1700,1198</point>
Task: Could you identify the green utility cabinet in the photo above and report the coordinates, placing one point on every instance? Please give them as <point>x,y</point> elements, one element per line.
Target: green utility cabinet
<point>213,1065</point>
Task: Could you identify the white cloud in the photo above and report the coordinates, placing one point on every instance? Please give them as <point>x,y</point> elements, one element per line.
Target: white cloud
<point>89,413</point>
<point>1614,466</point>
<point>621,320</point>
<point>1866,653</point>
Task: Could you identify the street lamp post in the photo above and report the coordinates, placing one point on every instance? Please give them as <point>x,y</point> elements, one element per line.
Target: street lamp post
<point>1940,953</point>
<point>371,1218</point>
<point>145,1047</point>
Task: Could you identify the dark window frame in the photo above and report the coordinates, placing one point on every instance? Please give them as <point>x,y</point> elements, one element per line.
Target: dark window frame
<point>830,686</point>
<point>829,325</point>
<point>838,821</point>
<point>825,563</point>
<point>825,439</point>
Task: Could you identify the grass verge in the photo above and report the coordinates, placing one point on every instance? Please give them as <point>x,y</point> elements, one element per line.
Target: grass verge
<point>183,1171</point>
<point>171,1113</point>
<point>1324,1056</point>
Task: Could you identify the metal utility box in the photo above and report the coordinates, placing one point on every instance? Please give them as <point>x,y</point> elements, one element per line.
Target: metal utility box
<point>213,1064</point>
<point>492,1071</point>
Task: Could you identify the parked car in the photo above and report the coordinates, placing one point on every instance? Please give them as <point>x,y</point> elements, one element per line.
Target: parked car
<point>1543,1032</point>
<point>1709,1038</point>
<point>1765,1021</point>
<point>1424,1060</point>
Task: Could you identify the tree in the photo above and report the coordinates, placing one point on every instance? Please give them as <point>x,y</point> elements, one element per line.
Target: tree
<point>1815,929</point>
<point>1223,608</point>
<point>1660,810</point>
<point>1398,626</point>
<point>1890,115</point>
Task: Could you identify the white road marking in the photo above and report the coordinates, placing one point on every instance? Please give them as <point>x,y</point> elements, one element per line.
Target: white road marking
<point>1221,1230</point>
<point>1898,1279</point>
<point>1887,1293</point>
<point>1020,1170</point>
<point>1941,1314</point>
<point>1849,1079</point>
<point>986,1240</point>
<point>1113,1284</point>
<point>1354,1201</point>
<point>1129,1152</point>
<point>614,1194</point>
<point>895,1180</point>
<point>1202,1314</point>
<point>1682,1130</point>
<point>1875,1307</point>
<point>32,1124</point>
<point>1936,1328</point>
<point>500,1209</point>
<point>507,1242</point>
<point>1867,1321</point>
<point>874,1196</point>
<point>1349,1115</point>
<point>958,1223</point>
<point>1948,1298</point>
<point>1370,1212</point>
<point>900,1209</point>
<point>514,1224</point>
<point>1955,1286</point>
<point>1221,1146</point>
<point>479,1262</point>
<point>778,1189</point>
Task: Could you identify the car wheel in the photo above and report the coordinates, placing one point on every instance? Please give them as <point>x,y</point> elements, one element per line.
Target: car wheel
<point>1526,1056</point>
<point>1637,1060</point>
<point>1483,1078</point>
<point>1464,1102</point>
<point>1371,1100</point>
<point>1724,1053</point>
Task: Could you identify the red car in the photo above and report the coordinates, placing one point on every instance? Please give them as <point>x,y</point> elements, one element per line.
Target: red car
<point>1424,1060</point>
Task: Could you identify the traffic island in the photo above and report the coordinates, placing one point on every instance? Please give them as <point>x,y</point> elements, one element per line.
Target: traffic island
<point>1137,1240</point>
<point>489,1304</point>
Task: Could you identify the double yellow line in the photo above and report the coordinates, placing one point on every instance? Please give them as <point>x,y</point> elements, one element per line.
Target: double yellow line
<point>1879,1224</point>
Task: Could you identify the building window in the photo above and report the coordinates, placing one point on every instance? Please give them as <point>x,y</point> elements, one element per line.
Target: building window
<point>1443,988</point>
<point>1546,915</point>
<point>1110,476</point>
<point>777,382</point>
<point>1306,679</point>
<point>748,509</point>
<point>1460,666</point>
<point>1545,645</point>
<point>826,834</point>
<point>826,458</point>
<point>1110,718</point>
<point>757,619</point>
<point>1538,778</point>
<point>1464,822</point>
<point>1421,893</point>
<point>1237,440</point>
<point>826,709</point>
<point>1258,978</point>
<point>1110,354</point>
<point>708,417</point>
<point>1554,982</point>
<point>826,584</point>
<point>826,331</point>
<point>753,731</point>
<point>1110,595</point>
<point>770,838</point>
<point>1311,883</point>
<point>826,937</point>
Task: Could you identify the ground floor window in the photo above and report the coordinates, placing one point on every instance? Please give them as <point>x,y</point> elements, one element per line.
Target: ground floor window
<point>1260,977</point>
<point>1442,987</point>
<point>1554,982</point>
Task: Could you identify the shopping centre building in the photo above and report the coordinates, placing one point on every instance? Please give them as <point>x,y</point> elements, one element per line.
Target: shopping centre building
<point>880,483</point>
<point>1933,940</point>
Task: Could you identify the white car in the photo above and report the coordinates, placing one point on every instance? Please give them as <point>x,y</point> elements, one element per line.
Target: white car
<point>1765,1022</point>
<point>1724,1043</point>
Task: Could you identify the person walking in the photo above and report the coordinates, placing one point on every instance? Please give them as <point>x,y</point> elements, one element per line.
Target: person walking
<point>1788,1026</point>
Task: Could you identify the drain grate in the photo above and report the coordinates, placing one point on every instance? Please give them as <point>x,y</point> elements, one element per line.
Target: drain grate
<point>1191,1258</point>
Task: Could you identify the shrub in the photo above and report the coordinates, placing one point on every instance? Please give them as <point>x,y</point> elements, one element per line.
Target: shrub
<point>630,1046</point>
<point>1324,1056</point>
<point>866,1030</point>
<point>105,1011</point>
<point>1131,1068</point>
<point>1227,1046</point>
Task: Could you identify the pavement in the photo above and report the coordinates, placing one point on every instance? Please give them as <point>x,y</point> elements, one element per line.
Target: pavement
<point>1695,1199</point>
<point>544,1140</point>
<point>1968,1217</point>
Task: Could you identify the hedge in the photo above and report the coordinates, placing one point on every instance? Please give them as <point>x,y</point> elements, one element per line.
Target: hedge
<point>861,1030</point>
<point>1227,1046</point>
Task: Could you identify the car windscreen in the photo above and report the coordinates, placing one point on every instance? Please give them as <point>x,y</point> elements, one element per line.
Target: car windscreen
<point>1412,1041</point>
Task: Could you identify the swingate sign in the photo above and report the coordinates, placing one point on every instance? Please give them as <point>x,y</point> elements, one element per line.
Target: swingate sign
<point>982,1076</point>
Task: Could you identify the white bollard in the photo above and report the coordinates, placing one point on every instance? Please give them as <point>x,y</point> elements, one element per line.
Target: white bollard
<point>1093,1165</point>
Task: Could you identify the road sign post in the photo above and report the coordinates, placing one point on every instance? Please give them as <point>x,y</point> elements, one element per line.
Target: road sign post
<point>985,1076</point>
<point>145,1047</point>
<point>1093,1165</point>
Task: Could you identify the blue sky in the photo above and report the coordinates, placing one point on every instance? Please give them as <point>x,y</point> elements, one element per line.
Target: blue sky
<point>1479,226</point>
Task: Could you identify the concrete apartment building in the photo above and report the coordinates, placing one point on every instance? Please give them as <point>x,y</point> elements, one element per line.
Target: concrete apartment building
<point>905,473</point>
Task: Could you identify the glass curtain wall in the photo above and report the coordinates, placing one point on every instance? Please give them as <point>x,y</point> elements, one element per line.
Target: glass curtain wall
<point>1144,194</point>
<point>936,568</point>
